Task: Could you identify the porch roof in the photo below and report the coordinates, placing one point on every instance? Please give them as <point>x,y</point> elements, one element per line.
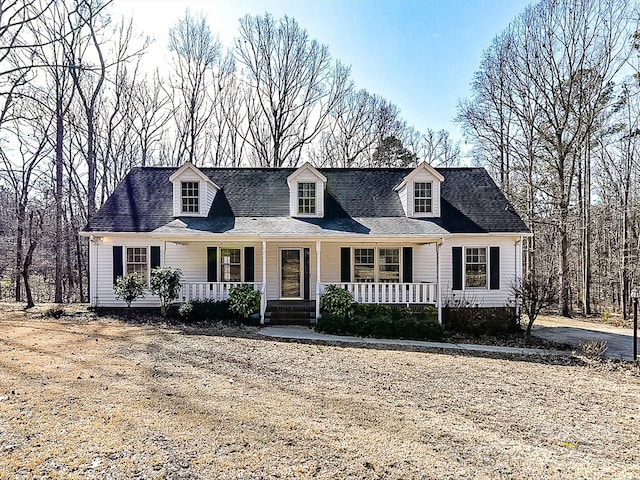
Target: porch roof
<point>302,227</point>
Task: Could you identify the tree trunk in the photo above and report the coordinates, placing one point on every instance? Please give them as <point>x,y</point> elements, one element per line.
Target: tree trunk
<point>57,244</point>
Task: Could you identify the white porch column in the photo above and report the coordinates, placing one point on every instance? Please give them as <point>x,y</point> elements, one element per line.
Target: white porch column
<point>438,286</point>
<point>318,279</point>
<point>263,290</point>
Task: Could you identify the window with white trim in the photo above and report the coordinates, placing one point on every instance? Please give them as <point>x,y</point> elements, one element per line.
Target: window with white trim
<point>230,265</point>
<point>389,265</point>
<point>376,265</point>
<point>475,267</point>
<point>136,261</point>
<point>306,198</point>
<point>364,265</point>
<point>190,195</point>
<point>422,197</point>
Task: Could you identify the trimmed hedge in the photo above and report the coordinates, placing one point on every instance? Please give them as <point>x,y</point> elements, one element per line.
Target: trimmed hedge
<point>381,321</point>
<point>481,320</point>
<point>198,311</point>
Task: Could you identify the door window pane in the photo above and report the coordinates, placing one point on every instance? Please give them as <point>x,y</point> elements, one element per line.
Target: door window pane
<point>290,273</point>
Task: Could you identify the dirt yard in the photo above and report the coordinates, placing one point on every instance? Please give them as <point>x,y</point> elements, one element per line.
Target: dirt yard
<point>86,397</point>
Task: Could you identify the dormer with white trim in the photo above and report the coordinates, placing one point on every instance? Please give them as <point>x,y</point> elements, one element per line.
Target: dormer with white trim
<point>193,192</point>
<point>306,192</point>
<point>419,192</point>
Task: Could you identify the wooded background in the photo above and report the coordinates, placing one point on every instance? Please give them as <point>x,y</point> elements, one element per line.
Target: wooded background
<point>553,113</point>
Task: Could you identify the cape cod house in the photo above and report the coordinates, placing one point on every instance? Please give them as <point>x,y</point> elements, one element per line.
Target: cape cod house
<point>392,235</point>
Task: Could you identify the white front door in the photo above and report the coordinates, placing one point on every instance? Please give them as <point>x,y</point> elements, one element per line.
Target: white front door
<point>291,273</point>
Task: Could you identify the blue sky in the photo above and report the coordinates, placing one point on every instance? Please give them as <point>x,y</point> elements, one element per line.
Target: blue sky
<point>418,54</point>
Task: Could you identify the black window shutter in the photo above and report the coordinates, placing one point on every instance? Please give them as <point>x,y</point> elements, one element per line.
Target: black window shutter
<point>212,264</point>
<point>494,268</point>
<point>407,264</point>
<point>155,257</point>
<point>345,264</point>
<point>117,263</point>
<point>457,267</point>
<point>249,264</point>
<point>306,274</point>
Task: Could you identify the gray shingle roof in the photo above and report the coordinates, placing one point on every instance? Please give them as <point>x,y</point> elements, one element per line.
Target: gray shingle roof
<point>357,201</point>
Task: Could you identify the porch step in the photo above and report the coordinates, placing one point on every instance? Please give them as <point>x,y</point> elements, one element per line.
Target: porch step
<point>290,312</point>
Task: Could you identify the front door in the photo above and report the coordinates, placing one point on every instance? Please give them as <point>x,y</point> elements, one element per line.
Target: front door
<point>290,273</point>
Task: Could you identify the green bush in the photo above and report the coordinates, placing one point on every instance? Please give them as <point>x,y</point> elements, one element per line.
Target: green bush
<point>165,283</point>
<point>244,300</point>
<point>201,311</point>
<point>336,301</point>
<point>381,321</point>
<point>129,288</point>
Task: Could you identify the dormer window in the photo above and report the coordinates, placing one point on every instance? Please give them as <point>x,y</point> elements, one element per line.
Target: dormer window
<point>422,197</point>
<point>419,192</point>
<point>306,198</point>
<point>190,197</point>
<point>306,192</point>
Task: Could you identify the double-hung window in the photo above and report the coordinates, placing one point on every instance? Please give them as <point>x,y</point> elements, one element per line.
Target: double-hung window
<point>136,261</point>
<point>364,265</point>
<point>230,265</point>
<point>422,197</point>
<point>376,265</point>
<point>475,267</point>
<point>389,265</point>
<point>190,197</point>
<point>306,198</point>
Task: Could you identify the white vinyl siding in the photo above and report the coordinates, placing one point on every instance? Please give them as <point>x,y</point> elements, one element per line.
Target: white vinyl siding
<point>509,269</point>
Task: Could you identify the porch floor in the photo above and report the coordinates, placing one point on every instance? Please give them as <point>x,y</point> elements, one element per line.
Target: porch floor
<point>290,312</point>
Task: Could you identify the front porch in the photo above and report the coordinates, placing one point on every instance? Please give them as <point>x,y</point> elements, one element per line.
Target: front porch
<point>389,272</point>
<point>281,311</point>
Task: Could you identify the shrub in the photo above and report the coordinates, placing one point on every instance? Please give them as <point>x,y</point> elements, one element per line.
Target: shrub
<point>244,300</point>
<point>461,315</point>
<point>381,321</point>
<point>129,288</point>
<point>336,301</point>
<point>54,312</point>
<point>165,282</point>
<point>594,349</point>
<point>197,311</point>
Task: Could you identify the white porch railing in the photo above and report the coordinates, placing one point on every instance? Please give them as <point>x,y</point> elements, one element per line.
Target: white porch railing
<point>399,293</point>
<point>211,290</point>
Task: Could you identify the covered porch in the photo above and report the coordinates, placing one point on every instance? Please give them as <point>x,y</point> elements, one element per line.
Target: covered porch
<point>391,272</point>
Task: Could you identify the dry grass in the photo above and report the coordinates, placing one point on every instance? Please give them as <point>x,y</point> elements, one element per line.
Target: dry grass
<point>97,398</point>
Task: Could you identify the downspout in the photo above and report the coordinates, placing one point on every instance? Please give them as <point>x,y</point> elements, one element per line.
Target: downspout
<point>438,287</point>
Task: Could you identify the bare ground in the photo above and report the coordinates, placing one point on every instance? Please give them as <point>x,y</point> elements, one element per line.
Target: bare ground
<point>86,397</point>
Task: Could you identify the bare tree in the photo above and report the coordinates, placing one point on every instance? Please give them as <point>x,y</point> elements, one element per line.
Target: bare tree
<point>294,87</point>
<point>195,53</point>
